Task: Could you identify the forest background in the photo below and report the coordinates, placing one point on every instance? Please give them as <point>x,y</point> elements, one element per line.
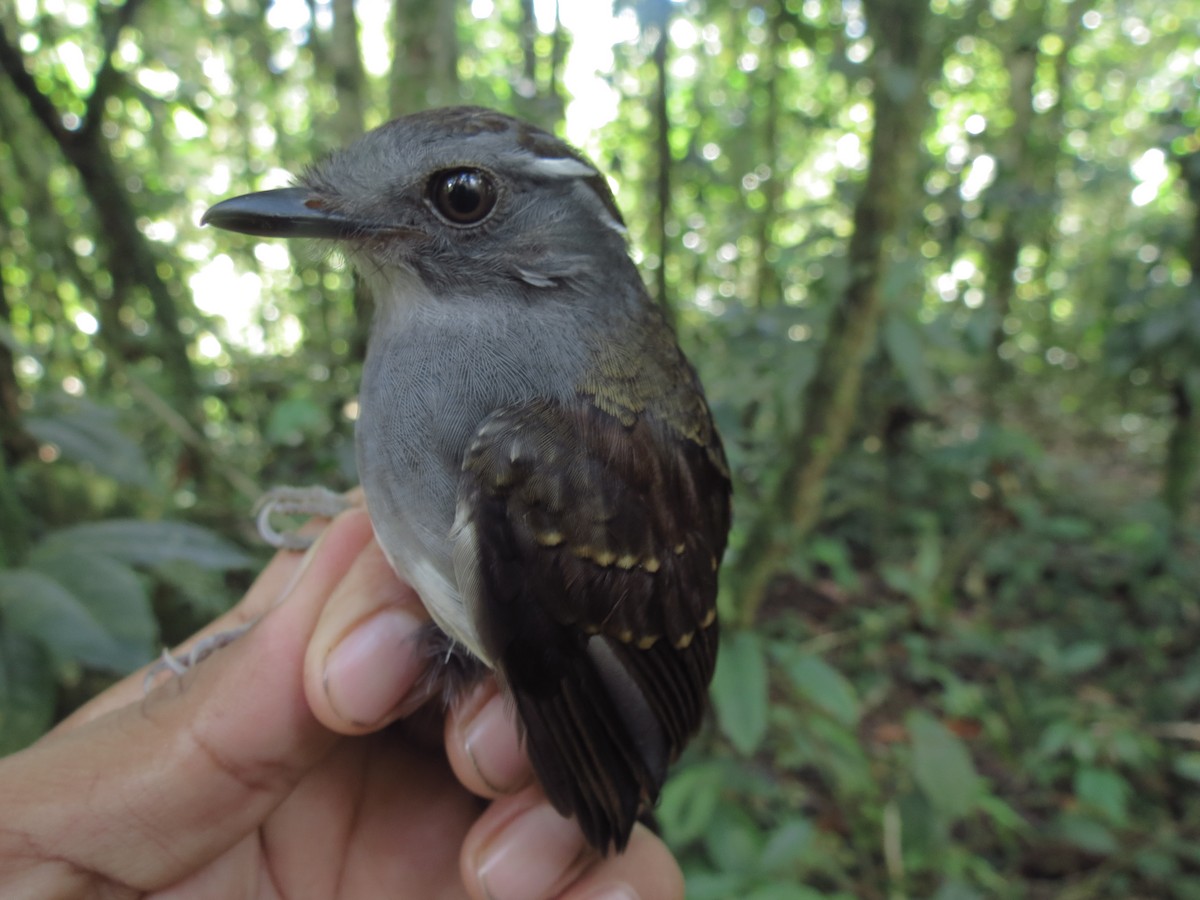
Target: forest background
<point>938,267</point>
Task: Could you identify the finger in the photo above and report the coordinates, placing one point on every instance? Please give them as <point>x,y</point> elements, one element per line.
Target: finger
<point>271,586</point>
<point>364,656</point>
<point>645,870</point>
<point>483,746</point>
<point>521,849</point>
<point>161,787</point>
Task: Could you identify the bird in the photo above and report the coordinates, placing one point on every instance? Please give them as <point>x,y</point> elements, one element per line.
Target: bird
<point>537,455</point>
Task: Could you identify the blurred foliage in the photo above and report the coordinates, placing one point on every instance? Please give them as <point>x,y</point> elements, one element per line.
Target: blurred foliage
<point>974,676</point>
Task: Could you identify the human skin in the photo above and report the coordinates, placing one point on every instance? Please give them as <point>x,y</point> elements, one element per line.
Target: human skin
<point>289,764</point>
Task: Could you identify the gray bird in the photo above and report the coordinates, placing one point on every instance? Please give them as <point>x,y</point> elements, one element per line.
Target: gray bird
<point>536,453</point>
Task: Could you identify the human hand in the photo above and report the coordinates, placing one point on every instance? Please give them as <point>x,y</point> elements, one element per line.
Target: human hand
<point>285,767</point>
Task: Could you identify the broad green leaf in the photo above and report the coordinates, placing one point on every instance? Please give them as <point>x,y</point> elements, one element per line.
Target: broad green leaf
<point>715,885</point>
<point>1103,790</point>
<point>110,590</point>
<point>27,691</point>
<point>1079,658</point>
<point>689,801</point>
<point>1086,834</point>
<point>1157,864</point>
<point>739,690</point>
<point>787,845</point>
<point>292,419</point>
<point>734,842</point>
<point>35,605</point>
<point>1001,814</point>
<point>824,686</point>
<point>87,433</point>
<point>203,590</point>
<point>144,543</point>
<point>1187,765</point>
<point>953,889</point>
<point>785,892</point>
<point>942,766</point>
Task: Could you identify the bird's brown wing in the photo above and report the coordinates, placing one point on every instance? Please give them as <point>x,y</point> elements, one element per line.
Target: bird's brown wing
<point>588,549</point>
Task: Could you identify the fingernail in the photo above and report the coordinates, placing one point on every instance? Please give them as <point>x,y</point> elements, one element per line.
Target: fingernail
<point>373,667</point>
<point>534,856</point>
<point>492,745</point>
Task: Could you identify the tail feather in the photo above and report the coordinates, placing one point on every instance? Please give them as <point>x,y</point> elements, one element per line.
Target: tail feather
<point>591,755</point>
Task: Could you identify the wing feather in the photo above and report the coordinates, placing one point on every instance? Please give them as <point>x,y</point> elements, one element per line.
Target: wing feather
<point>590,543</point>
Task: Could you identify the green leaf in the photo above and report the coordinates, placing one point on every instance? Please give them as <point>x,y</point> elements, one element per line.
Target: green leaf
<point>1103,790</point>
<point>734,842</point>
<point>204,591</point>
<point>1187,765</point>
<point>1079,658</point>
<point>1002,814</point>
<point>784,892</point>
<point>739,690</point>
<point>87,433</point>
<point>953,889</point>
<point>111,592</point>
<point>715,885</point>
<point>27,691</point>
<point>292,419</point>
<point>145,543</point>
<point>1086,834</point>
<point>37,606</point>
<point>824,686</point>
<point>689,802</point>
<point>787,846</point>
<point>942,766</point>
<point>1156,864</point>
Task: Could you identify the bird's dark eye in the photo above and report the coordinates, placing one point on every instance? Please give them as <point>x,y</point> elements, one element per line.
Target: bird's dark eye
<point>462,196</point>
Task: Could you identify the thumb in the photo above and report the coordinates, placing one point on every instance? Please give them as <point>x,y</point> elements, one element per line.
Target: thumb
<point>151,791</point>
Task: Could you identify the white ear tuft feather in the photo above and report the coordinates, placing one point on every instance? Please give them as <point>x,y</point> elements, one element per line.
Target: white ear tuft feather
<point>562,167</point>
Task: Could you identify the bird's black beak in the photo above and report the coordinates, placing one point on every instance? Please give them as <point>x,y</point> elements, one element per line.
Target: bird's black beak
<point>287,212</point>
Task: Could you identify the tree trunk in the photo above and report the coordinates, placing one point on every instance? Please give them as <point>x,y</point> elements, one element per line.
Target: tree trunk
<point>767,290</point>
<point>349,80</point>
<point>831,397</point>
<point>1011,192</point>
<point>536,93</point>
<point>1182,466</point>
<point>661,18</point>
<point>1023,197</point>
<point>349,121</point>
<point>425,62</point>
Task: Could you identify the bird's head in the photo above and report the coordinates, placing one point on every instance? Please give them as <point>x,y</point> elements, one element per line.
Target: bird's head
<point>465,198</point>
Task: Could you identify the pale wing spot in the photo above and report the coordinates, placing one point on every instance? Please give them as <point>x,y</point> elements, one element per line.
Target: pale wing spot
<point>549,538</point>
